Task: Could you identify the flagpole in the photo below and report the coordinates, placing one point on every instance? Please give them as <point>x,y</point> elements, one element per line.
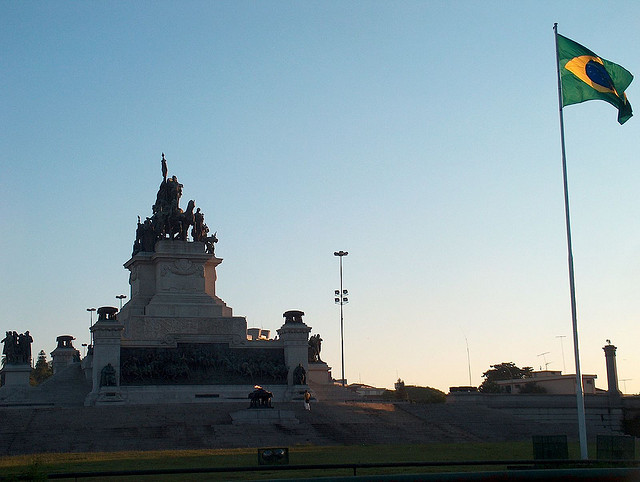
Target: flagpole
<point>582,425</point>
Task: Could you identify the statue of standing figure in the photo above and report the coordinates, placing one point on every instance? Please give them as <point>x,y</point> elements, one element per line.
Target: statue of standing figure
<point>315,345</point>
<point>197,232</point>
<point>299,375</point>
<point>164,168</point>
<point>173,193</point>
<point>137,244</point>
<point>24,345</point>
<point>10,345</point>
<point>17,348</point>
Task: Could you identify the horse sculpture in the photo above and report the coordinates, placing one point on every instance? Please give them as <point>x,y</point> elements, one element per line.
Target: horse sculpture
<point>186,220</point>
<point>178,222</point>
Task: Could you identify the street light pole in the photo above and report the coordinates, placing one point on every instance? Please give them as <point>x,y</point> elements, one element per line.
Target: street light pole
<point>341,298</point>
<point>91,310</point>
<point>121,297</point>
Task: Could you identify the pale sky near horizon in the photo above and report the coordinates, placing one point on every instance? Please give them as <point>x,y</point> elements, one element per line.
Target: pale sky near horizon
<point>421,137</point>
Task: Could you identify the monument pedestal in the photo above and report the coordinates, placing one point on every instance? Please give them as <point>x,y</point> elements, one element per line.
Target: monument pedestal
<point>173,298</point>
<point>294,335</point>
<point>64,354</point>
<point>108,396</point>
<point>16,374</point>
<point>105,370</point>
<point>319,373</point>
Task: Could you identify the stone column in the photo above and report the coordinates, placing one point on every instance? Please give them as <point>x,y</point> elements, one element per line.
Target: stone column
<point>612,370</point>
<point>107,333</point>
<point>295,338</point>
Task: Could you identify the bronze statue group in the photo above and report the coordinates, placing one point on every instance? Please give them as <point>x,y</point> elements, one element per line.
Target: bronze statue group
<point>168,220</point>
<point>17,347</point>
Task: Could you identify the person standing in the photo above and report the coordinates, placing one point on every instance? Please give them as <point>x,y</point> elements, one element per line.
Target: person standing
<point>307,399</point>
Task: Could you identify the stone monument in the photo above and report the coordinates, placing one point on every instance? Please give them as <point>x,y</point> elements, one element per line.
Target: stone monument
<point>612,370</point>
<point>65,353</point>
<point>319,373</point>
<point>175,340</point>
<point>17,359</point>
<point>105,360</point>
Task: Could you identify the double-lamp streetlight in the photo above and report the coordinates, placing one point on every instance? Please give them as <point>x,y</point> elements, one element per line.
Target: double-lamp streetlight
<point>341,299</point>
<point>121,297</point>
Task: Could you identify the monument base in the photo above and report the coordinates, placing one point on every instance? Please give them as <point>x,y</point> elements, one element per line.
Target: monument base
<point>296,392</point>
<point>105,396</point>
<point>16,375</point>
<point>263,416</point>
<point>319,373</point>
<point>167,394</point>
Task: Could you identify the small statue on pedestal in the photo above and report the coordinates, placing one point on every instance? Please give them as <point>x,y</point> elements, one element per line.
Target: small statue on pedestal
<point>17,348</point>
<point>315,345</point>
<point>108,376</point>
<point>299,375</point>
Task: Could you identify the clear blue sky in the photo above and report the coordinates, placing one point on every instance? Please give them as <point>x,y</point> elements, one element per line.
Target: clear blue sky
<point>422,137</point>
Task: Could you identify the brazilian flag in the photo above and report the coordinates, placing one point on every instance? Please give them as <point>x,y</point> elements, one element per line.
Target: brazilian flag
<point>585,76</point>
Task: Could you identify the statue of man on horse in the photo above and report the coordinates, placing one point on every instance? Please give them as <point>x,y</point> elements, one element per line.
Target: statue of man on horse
<point>168,220</point>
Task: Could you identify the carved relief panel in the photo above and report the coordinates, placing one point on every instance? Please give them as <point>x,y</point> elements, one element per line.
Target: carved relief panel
<point>181,276</point>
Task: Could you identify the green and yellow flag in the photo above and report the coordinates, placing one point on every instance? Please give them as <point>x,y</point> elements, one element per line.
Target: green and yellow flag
<point>585,76</point>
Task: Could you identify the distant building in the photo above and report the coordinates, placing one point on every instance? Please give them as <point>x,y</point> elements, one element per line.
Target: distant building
<point>366,390</point>
<point>463,389</point>
<point>553,382</point>
<point>258,334</point>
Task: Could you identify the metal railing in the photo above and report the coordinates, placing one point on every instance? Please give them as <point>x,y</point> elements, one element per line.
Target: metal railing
<point>627,469</point>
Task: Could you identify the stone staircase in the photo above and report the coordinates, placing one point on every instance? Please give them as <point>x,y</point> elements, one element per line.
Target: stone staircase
<point>25,430</point>
<point>139,427</point>
<point>333,393</point>
<point>67,388</point>
<point>482,424</point>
